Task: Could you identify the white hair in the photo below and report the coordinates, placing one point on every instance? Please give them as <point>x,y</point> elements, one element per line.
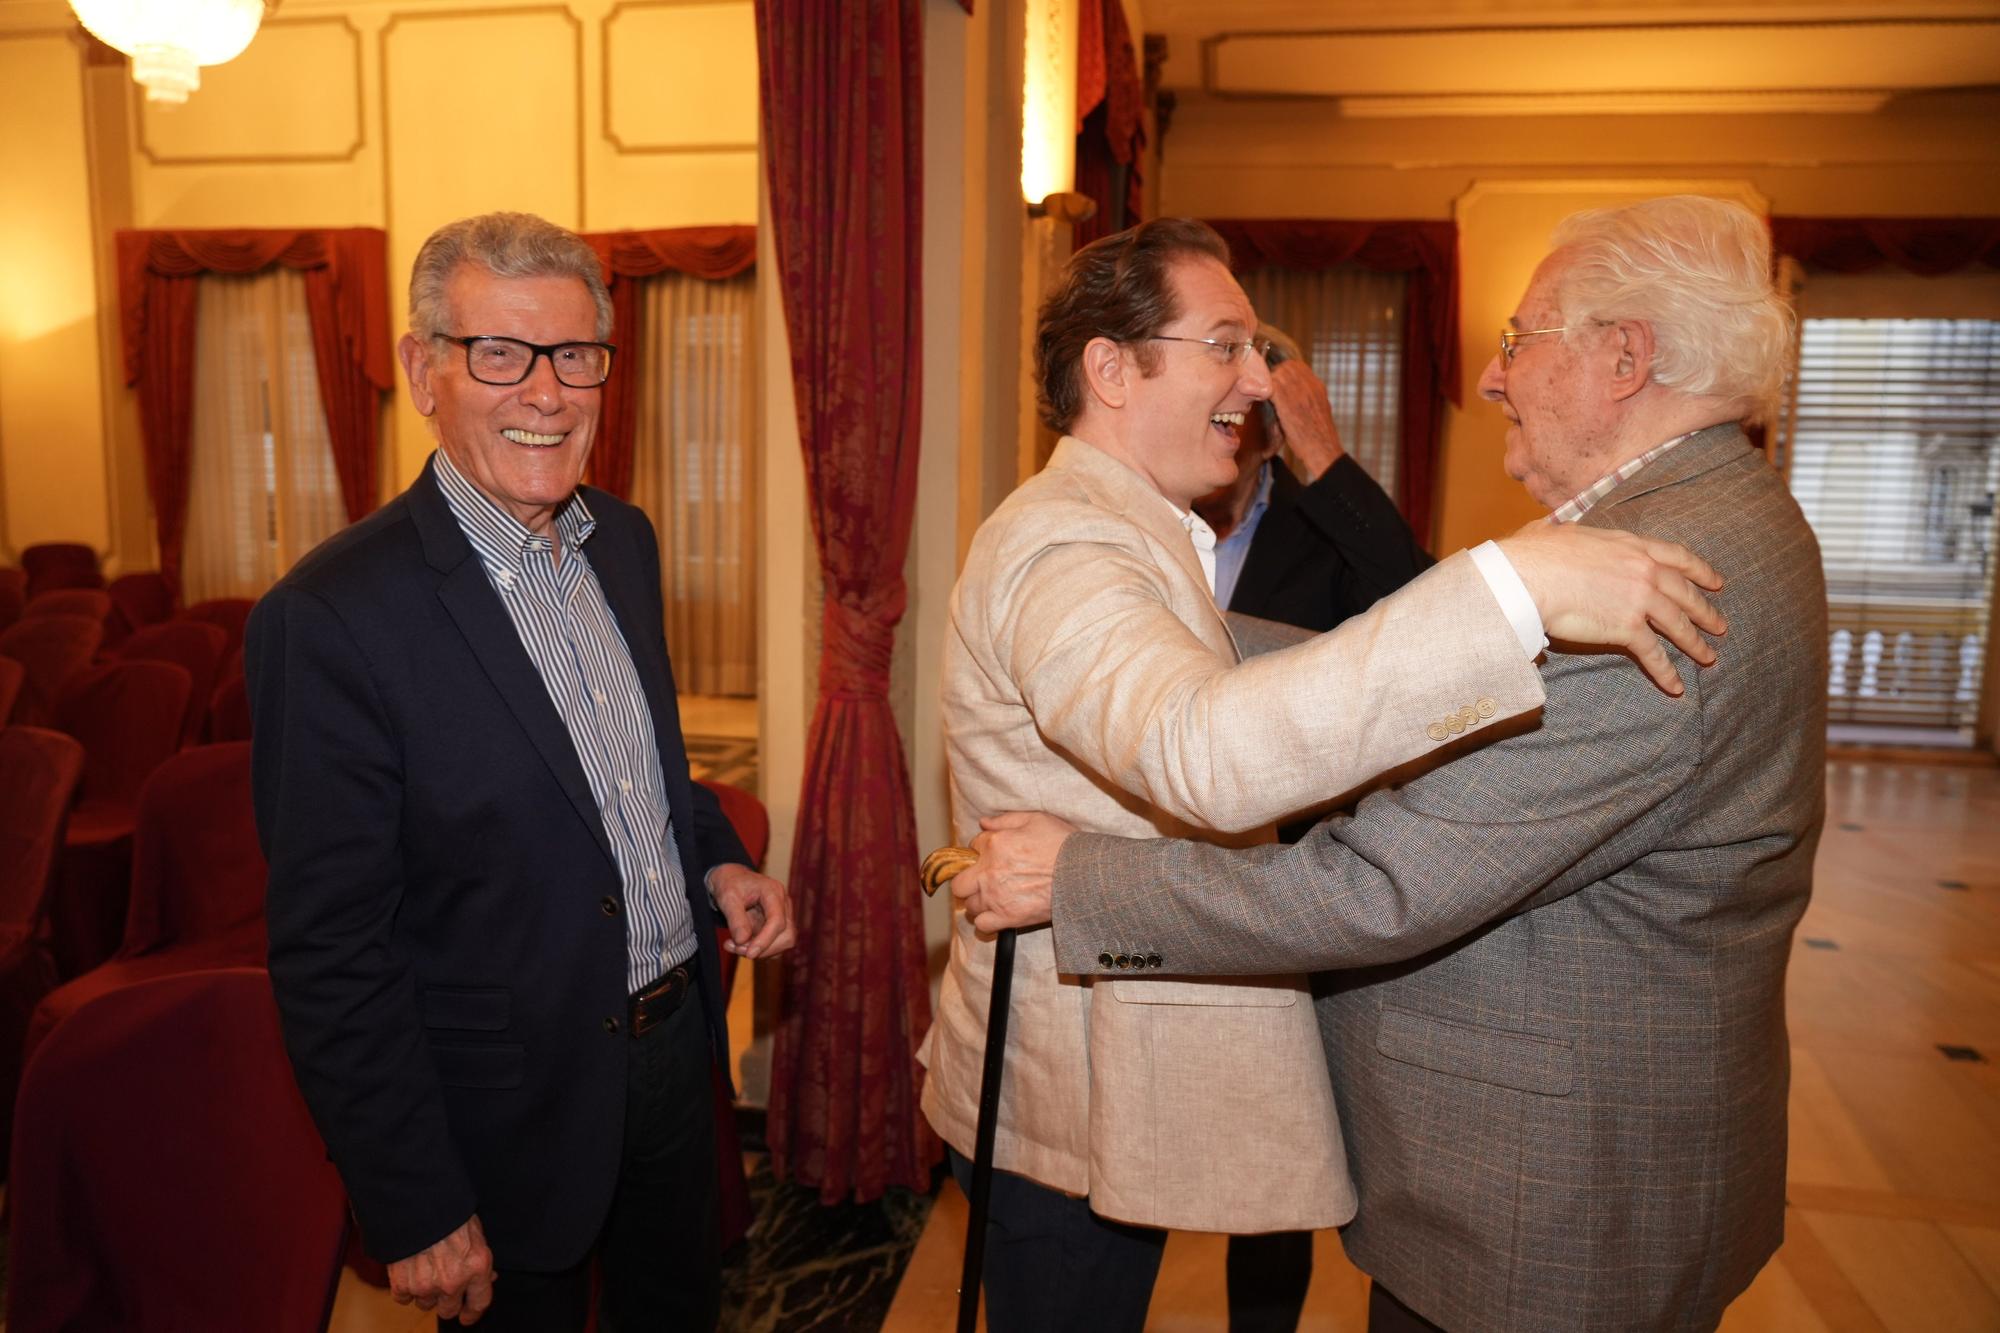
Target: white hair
<point>1697,270</point>
<point>507,245</point>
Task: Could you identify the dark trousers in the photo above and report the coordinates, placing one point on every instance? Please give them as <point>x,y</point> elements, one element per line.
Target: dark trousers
<point>1386,1314</point>
<point>659,1255</point>
<point>1268,1277</point>
<point>1053,1266</point>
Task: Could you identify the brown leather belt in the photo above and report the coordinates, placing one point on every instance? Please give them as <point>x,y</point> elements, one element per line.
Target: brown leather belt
<point>657,1003</point>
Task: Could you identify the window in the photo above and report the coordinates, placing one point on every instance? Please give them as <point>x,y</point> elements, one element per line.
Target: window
<point>262,490</point>
<point>1890,442</point>
<point>1349,323</point>
<point>693,473</point>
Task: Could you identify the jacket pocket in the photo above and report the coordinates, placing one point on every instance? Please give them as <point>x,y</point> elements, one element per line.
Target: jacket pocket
<point>1518,1060</point>
<point>468,1008</point>
<point>1246,993</point>
<point>468,1065</point>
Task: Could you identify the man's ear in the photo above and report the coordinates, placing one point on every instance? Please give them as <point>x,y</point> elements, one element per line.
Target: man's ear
<point>1106,371</point>
<point>417,365</point>
<point>1633,370</point>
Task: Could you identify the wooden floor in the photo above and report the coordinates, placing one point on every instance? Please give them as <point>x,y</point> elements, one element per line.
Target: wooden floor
<point>1894,1221</point>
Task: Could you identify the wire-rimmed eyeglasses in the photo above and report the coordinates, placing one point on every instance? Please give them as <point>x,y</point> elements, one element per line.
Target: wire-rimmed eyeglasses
<point>491,359</point>
<point>1231,348</point>
<point>1510,338</point>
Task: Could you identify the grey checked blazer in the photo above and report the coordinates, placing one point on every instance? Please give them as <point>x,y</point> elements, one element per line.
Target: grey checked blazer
<point>1559,1052</point>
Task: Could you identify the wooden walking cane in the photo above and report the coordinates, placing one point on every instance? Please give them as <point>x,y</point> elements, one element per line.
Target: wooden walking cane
<point>940,867</point>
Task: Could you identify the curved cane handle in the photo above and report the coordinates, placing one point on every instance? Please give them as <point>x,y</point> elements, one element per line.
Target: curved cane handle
<point>944,864</point>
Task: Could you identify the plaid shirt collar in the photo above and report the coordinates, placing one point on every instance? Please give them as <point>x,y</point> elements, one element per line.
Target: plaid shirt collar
<point>501,540</point>
<point>1586,500</point>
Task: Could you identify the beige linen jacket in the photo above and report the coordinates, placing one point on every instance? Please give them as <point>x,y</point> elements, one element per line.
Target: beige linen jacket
<point>1088,673</point>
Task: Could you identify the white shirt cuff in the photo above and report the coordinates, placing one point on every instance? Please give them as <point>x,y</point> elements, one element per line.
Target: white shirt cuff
<point>1512,594</point>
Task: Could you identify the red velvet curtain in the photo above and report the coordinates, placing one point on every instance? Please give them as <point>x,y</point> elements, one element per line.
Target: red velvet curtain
<point>842,96</point>
<point>346,277</point>
<point>712,253</point>
<point>1110,133</point>
<point>1926,246</point>
<point>1428,253</point>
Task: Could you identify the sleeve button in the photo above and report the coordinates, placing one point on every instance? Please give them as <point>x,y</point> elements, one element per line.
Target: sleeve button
<point>611,1025</point>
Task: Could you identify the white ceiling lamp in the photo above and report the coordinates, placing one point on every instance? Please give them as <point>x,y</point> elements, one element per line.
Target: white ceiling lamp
<point>169,40</point>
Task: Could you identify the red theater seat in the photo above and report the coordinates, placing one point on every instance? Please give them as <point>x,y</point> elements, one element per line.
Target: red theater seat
<point>166,1174</point>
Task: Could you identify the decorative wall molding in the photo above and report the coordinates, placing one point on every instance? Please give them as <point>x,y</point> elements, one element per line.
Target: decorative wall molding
<point>608,129</point>
<point>412,16</point>
<point>1688,66</point>
<point>347,154</point>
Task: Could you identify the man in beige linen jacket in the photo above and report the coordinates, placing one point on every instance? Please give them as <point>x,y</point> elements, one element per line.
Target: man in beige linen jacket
<point>1088,671</point>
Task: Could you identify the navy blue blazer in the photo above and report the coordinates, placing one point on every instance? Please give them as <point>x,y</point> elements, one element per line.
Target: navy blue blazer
<point>1325,552</point>
<point>446,918</point>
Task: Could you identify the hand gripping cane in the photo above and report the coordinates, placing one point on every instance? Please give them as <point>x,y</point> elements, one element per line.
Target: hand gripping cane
<point>939,867</point>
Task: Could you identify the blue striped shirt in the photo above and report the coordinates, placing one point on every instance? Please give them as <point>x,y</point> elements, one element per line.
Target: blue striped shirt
<point>568,629</point>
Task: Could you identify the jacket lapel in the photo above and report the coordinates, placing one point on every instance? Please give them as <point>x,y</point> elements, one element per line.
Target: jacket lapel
<point>1122,491</point>
<point>489,632</point>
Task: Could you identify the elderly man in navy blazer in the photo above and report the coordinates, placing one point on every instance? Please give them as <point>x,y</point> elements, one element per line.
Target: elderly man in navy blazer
<point>493,885</point>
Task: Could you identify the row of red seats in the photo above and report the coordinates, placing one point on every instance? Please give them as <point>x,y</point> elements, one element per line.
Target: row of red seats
<point>153,1083</point>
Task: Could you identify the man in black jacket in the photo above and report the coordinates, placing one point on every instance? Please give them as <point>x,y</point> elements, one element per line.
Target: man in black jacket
<point>492,883</point>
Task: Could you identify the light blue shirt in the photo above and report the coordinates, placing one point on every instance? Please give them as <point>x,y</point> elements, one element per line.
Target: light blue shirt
<point>1233,550</point>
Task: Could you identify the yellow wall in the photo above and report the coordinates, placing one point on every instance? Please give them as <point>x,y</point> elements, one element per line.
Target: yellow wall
<point>400,115</point>
<point>1508,179</point>
<point>52,475</point>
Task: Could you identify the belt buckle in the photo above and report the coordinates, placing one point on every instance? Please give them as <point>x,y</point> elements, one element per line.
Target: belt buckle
<point>673,983</point>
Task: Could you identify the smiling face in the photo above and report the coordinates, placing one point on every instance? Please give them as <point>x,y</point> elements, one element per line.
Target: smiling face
<point>524,445</point>
<point>1555,395</point>
<point>1183,418</point>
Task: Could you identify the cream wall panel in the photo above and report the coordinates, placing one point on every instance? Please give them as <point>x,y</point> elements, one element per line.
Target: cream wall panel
<point>483,110</point>
<point>51,423</point>
<point>294,96</point>
<point>682,190</point>
<point>265,195</point>
<point>680,76</point>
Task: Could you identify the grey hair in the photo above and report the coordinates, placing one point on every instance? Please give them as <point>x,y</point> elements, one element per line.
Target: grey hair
<point>1283,348</point>
<point>507,245</point>
<point>1698,270</point>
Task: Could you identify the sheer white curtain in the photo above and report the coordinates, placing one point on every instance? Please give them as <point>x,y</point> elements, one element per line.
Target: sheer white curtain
<point>1349,323</point>
<point>261,487</point>
<point>693,472</point>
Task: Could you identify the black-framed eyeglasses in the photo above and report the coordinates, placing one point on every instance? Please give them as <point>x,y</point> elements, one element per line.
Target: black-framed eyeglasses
<point>1510,340</point>
<point>1231,348</point>
<point>495,360</point>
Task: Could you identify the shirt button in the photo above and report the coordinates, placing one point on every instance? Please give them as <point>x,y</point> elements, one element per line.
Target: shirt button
<point>625,784</point>
<point>608,905</point>
<point>611,1026</point>
<point>652,876</point>
<point>597,695</point>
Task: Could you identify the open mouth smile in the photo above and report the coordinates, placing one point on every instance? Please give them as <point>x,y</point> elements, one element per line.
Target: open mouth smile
<point>533,439</point>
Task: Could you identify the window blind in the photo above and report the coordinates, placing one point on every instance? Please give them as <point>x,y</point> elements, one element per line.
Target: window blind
<point>1889,439</point>
<point>1349,323</point>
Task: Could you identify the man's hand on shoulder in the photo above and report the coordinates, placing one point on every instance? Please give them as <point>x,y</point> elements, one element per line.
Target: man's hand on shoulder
<point>1616,589</point>
<point>1014,883</point>
<point>755,907</point>
<point>453,1278</point>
